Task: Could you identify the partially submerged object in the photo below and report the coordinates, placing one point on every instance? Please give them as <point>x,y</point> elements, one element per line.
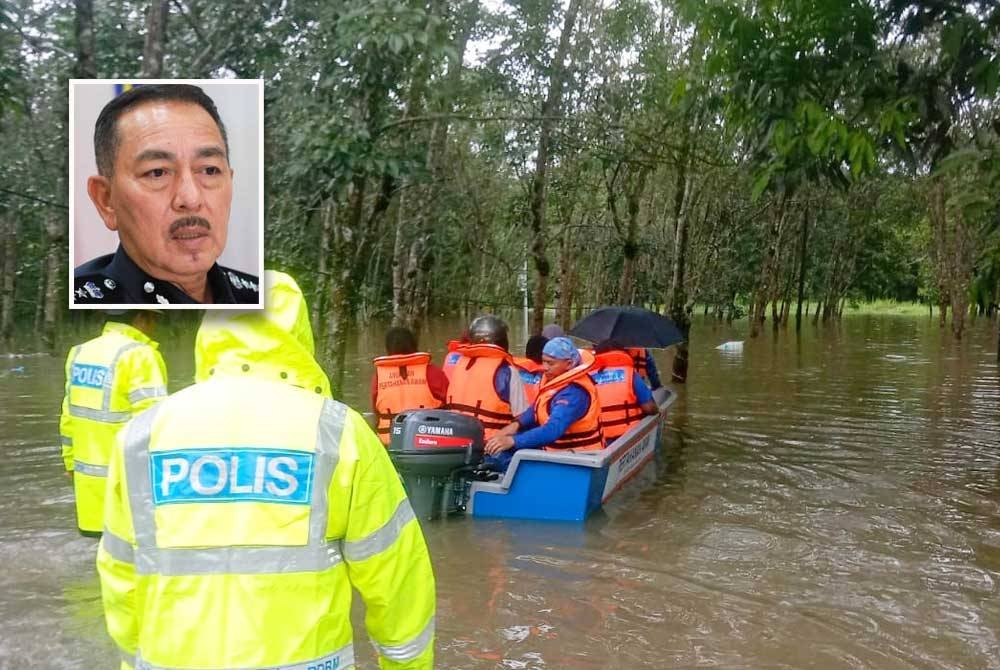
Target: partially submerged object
<point>438,455</point>
<point>732,345</point>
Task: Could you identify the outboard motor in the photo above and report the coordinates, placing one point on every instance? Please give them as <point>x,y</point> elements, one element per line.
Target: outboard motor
<point>436,453</point>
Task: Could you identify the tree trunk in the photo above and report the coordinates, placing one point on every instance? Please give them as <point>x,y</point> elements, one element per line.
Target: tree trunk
<point>341,300</point>
<point>400,267</point>
<point>626,289</point>
<point>8,226</point>
<point>565,283</point>
<point>677,301</point>
<point>156,39</point>
<point>803,257</point>
<point>953,254</point>
<point>55,234</point>
<point>550,108</point>
<point>758,305</point>
<point>86,65</point>
<point>328,218</point>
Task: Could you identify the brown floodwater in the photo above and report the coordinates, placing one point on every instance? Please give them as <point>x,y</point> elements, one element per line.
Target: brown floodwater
<point>823,501</point>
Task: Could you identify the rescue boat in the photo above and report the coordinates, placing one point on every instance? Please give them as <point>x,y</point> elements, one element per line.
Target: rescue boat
<point>439,453</point>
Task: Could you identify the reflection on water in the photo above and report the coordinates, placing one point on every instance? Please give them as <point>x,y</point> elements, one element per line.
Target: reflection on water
<point>826,501</point>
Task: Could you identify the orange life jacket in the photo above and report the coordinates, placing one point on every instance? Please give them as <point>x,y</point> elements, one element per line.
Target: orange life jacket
<point>470,389</point>
<point>638,355</point>
<point>584,434</point>
<point>531,376</point>
<point>451,358</point>
<point>620,409</point>
<point>401,384</point>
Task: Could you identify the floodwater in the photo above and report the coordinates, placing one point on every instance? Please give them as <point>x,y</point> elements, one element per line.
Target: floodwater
<point>828,501</point>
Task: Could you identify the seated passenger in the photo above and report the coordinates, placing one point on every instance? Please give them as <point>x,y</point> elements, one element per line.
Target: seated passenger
<point>451,358</point>
<point>482,385</point>
<point>404,379</point>
<point>645,366</point>
<point>530,367</point>
<point>624,397</point>
<point>566,414</point>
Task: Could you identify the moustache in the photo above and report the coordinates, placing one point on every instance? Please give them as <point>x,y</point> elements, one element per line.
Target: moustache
<point>190,222</point>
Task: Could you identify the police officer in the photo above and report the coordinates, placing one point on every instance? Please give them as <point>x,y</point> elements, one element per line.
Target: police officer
<point>165,185</point>
<point>243,509</point>
<point>109,379</point>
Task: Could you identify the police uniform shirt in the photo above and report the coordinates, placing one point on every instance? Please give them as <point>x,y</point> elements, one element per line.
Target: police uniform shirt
<point>115,279</point>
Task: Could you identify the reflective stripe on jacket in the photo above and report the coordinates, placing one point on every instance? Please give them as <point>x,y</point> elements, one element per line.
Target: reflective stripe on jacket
<point>471,390</point>
<point>109,379</point>
<point>620,410</point>
<point>585,433</point>
<point>531,374</point>
<point>241,513</point>
<point>401,384</point>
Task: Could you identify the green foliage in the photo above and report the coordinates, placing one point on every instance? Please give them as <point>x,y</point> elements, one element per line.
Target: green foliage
<point>728,114</point>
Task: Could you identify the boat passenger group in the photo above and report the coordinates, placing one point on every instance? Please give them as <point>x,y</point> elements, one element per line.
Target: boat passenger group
<point>555,397</point>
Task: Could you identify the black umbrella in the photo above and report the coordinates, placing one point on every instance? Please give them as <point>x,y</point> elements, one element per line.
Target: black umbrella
<point>629,326</point>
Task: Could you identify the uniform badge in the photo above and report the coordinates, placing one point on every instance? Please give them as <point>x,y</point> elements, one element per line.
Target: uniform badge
<point>160,299</point>
<point>252,285</point>
<point>94,292</point>
<point>148,287</point>
<point>110,284</point>
<point>80,293</point>
<point>234,280</point>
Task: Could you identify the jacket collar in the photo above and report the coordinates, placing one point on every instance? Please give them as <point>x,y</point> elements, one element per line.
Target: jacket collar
<point>130,332</point>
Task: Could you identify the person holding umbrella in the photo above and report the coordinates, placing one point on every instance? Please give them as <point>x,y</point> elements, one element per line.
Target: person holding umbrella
<point>636,328</point>
<point>625,398</point>
<point>566,413</point>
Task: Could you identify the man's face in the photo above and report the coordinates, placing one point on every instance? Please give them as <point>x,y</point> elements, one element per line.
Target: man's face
<point>171,191</point>
<point>554,366</point>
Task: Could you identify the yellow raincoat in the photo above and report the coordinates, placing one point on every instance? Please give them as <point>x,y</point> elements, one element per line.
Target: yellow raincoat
<point>242,510</point>
<point>109,380</point>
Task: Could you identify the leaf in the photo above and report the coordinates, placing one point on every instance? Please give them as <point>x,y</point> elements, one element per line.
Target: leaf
<point>760,184</point>
<point>957,160</point>
<point>680,88</point>
<point>951,39</point>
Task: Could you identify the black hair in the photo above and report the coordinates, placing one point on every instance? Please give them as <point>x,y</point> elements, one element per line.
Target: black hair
<point>608,345</point>
<point>533,347</point>
<point>400,341</point>
<point>106,138</point>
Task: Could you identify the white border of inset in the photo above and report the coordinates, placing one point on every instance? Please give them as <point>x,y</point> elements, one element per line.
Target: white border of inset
<point>259,86</point>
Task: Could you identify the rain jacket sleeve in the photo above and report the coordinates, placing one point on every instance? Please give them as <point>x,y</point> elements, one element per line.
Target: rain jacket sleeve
<point>115,557</point>
<point>387,557</point>
<point>652,372</point>
<point>66,421</point>
<point>147,378</point>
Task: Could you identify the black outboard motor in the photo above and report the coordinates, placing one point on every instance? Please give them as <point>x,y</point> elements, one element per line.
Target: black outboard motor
<point>436,451</point>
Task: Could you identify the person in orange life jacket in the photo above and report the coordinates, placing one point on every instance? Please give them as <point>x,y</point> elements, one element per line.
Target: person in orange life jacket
<point>404,379</point>
<point>548,425</point>
<point>481,384</point>
<point>624,396</point>
<point>451,358</point>
<point>530,368</point>
<point>645,366</point>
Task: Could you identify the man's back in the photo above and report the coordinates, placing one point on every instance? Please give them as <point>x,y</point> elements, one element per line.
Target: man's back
<point>244,510</point>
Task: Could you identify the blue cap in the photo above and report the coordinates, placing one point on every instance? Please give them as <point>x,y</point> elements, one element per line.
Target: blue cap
<point>563,349</point>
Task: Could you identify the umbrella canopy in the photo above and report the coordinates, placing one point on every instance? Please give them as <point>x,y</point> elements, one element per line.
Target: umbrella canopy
<point>629,326</point>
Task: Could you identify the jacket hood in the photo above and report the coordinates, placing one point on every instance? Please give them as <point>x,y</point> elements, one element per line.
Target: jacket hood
<point>274,343</point>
